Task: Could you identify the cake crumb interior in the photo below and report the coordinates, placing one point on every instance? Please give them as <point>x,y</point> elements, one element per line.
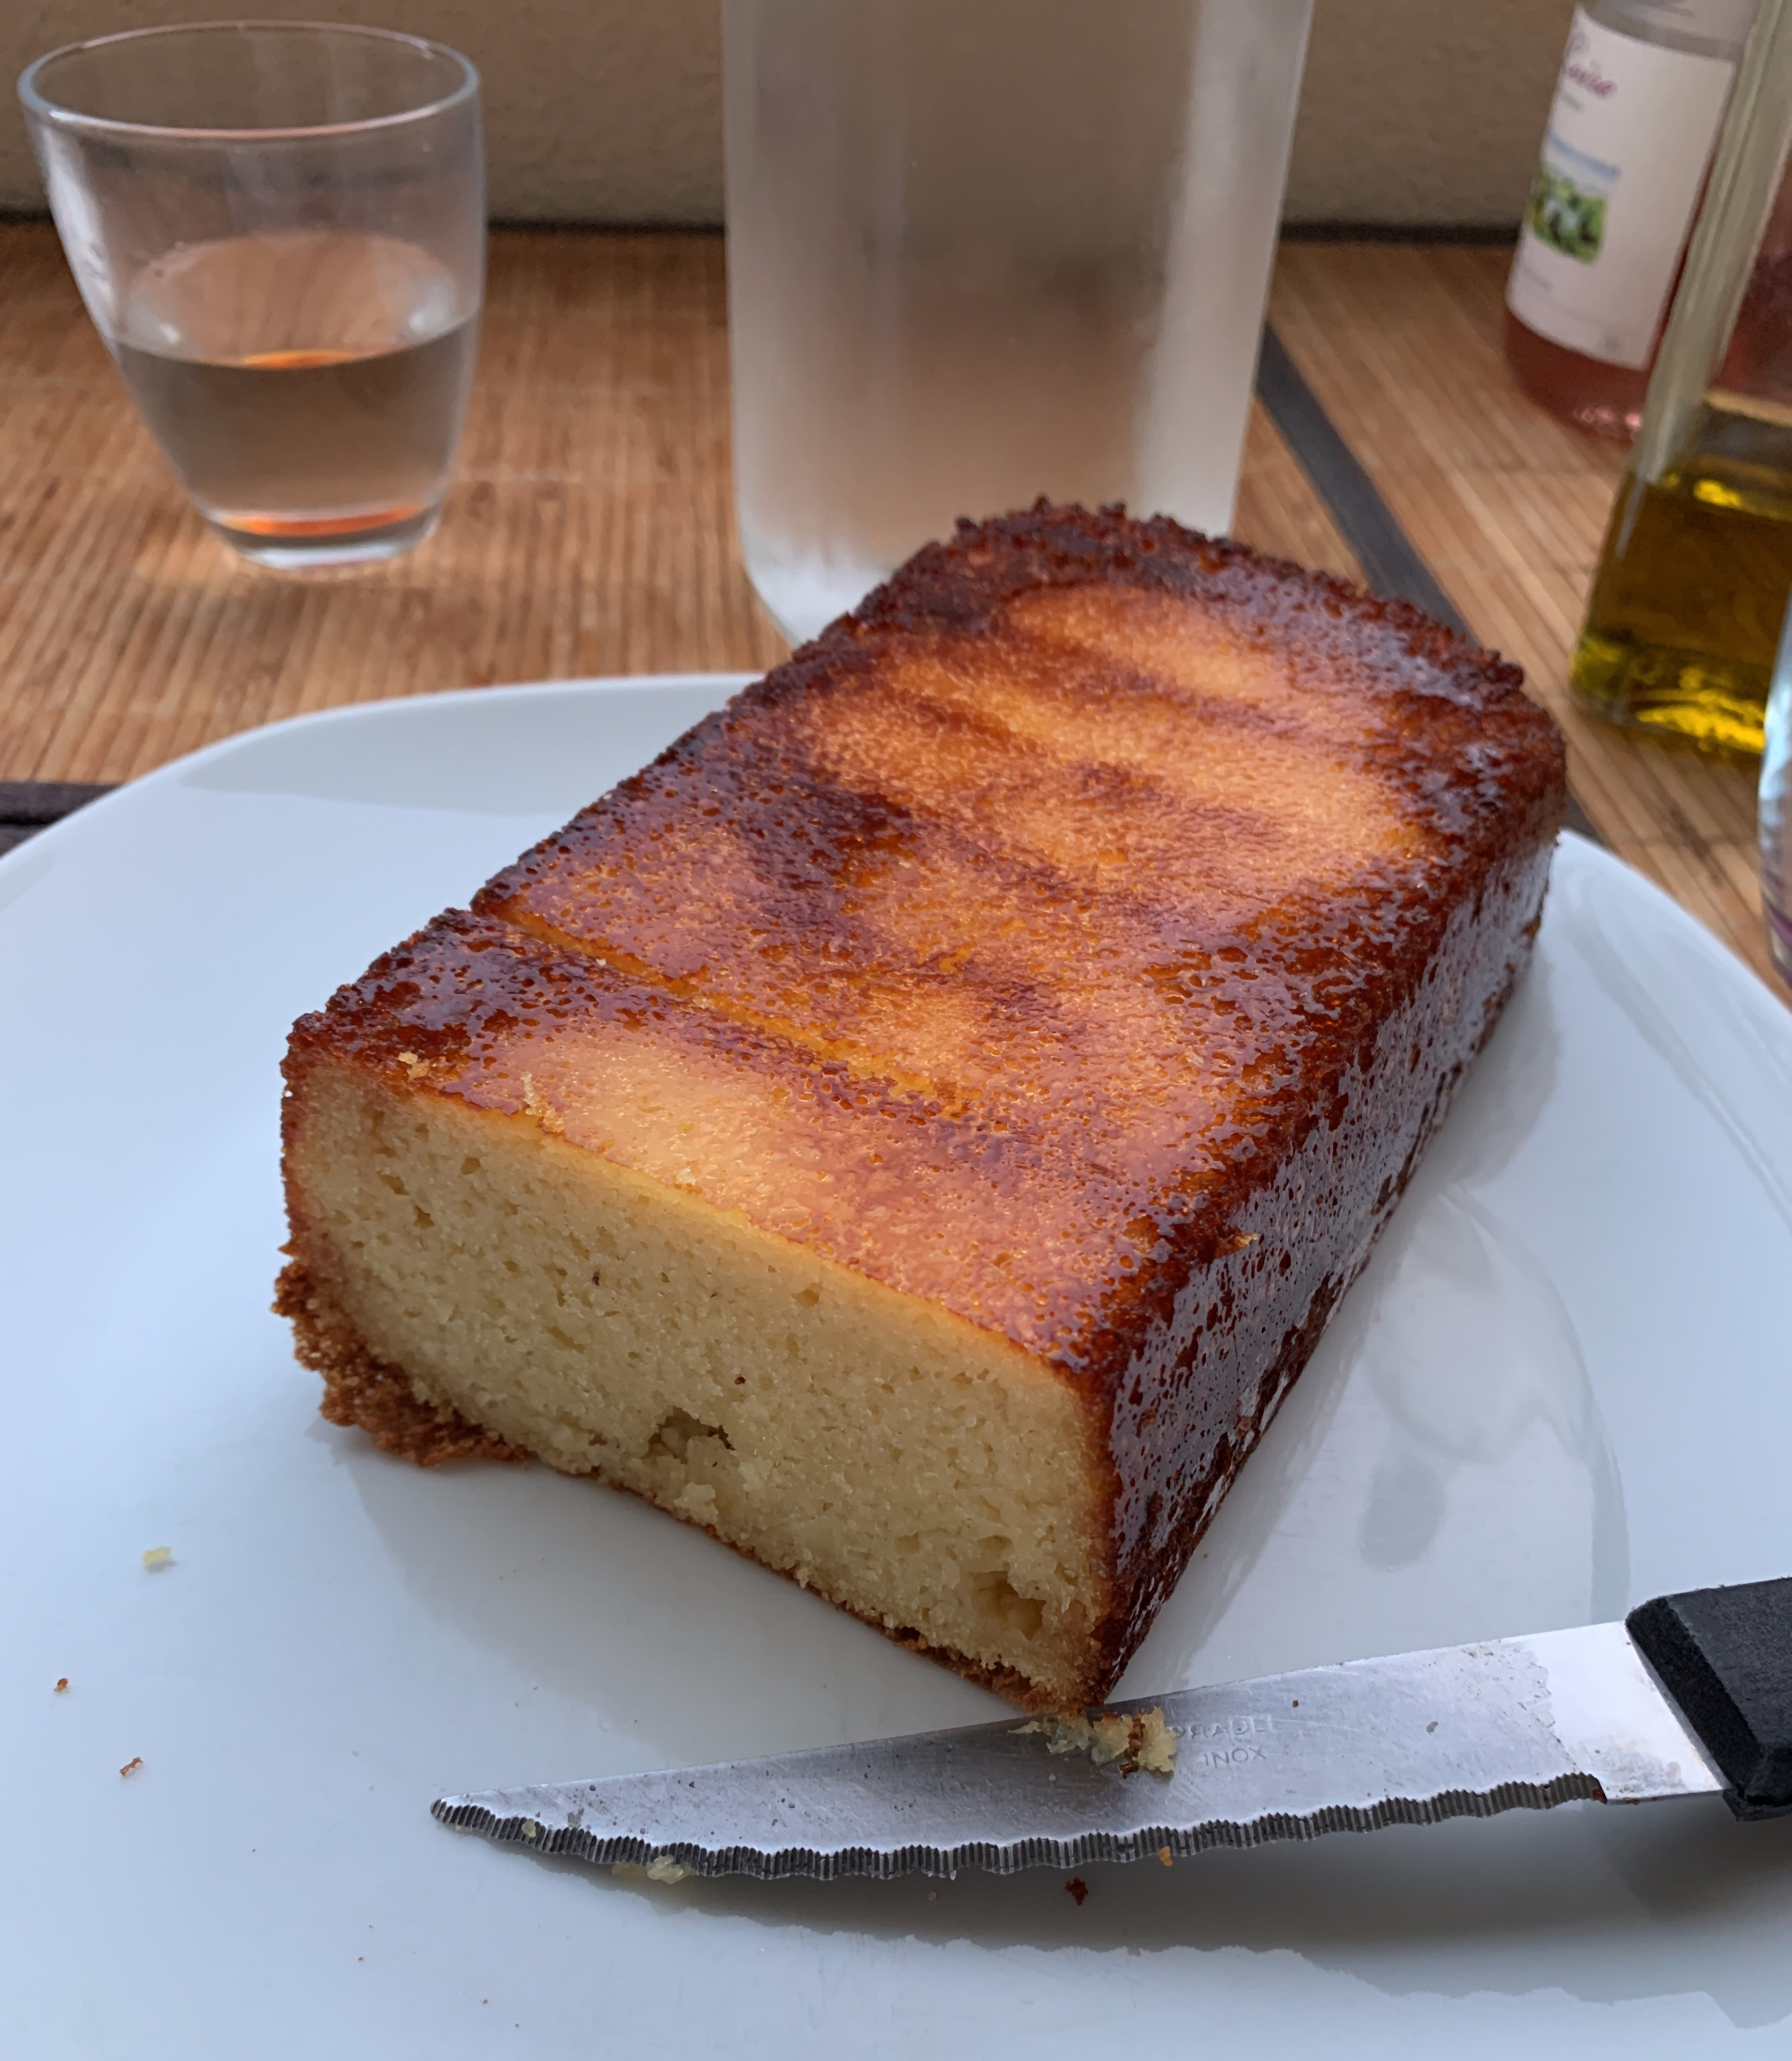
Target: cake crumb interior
<point>616,1327</point>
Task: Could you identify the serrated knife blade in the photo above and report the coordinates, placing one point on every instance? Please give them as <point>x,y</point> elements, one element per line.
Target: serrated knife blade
<point>1457,1731</point>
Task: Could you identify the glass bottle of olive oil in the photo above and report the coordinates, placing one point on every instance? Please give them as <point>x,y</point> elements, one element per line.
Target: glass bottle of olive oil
<point>1687,606</point>
<point>1685,610</point>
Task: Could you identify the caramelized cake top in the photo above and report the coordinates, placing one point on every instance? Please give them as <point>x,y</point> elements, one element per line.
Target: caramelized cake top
<point>1000,943</point>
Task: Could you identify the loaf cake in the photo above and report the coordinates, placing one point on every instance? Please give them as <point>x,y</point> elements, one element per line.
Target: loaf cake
<point>918,1129</point>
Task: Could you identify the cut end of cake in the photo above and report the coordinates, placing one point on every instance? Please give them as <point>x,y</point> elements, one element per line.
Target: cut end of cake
<point>929,1479</point>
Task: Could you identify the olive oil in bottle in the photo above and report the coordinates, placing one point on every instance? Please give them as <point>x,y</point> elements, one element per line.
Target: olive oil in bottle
<point>1683,622</point>
<point>1685,615</point>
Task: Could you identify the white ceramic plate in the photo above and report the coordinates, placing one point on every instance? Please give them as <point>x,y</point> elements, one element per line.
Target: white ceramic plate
<point>1562,1385</point>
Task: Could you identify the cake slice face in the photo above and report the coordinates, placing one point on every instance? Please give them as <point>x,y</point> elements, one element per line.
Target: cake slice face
<point>918,1128</point>
<point>551,1197</point>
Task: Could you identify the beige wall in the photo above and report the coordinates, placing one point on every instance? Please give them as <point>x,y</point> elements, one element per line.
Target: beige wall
<point>1424,111</point>
<point>1415,111</point>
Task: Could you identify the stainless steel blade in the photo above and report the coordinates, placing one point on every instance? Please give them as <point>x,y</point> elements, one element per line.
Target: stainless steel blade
<point>1460,1731</point>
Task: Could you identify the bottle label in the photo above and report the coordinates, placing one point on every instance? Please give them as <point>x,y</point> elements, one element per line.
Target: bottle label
<point>1630,136</point>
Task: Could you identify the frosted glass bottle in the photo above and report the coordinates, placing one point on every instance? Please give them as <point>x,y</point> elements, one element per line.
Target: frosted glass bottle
<point>980,250</point>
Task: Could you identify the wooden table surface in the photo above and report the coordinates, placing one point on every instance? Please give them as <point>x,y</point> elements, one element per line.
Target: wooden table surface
<point>591,527</point>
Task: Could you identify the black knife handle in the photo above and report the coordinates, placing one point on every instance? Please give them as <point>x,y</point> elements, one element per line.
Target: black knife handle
<point>1725,1656</point>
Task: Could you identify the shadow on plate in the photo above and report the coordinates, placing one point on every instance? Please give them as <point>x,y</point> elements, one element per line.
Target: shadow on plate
<point>1611,1904</point>
<point>1442,1471</point>
<point>683,1653</point>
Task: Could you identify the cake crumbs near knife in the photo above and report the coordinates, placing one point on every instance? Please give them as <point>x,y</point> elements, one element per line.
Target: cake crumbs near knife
<point>1142,1741</point>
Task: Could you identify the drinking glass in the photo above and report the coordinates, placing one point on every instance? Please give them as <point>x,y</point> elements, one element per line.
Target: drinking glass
<point>980,250</point>
<point>279,230</point>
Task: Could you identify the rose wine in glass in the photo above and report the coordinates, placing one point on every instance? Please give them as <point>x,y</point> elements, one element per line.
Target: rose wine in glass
<point>307,387</point>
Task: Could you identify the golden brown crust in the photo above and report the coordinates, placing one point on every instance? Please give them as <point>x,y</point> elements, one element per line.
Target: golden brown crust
<point>1084,936</point>
<point>1130,1060</point>
<point>994,853</point>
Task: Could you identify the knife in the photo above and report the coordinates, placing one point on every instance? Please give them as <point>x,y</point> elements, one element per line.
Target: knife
<point>1690,1694</point>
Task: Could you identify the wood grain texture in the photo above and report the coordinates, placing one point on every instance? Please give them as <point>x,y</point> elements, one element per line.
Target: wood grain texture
<point>590,528</point>
<point>1278,510</point>
<point>1402,343</point>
